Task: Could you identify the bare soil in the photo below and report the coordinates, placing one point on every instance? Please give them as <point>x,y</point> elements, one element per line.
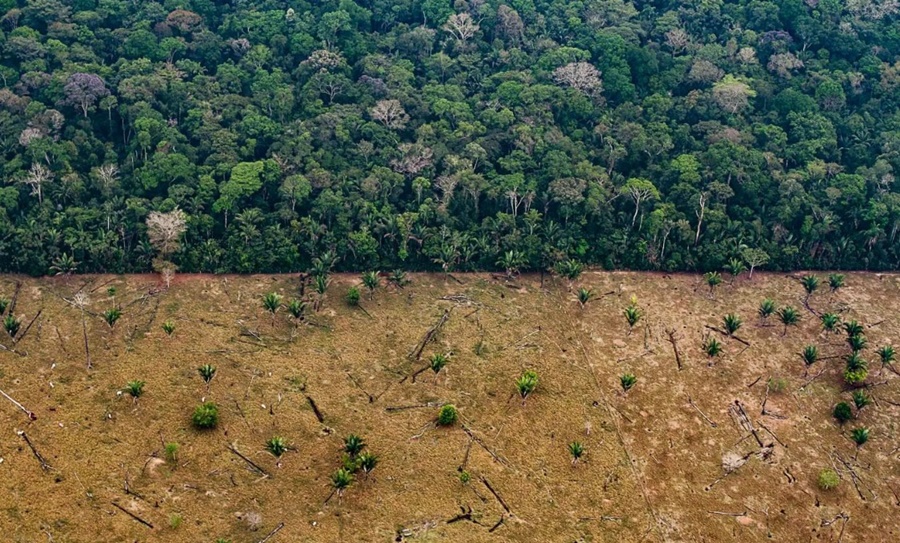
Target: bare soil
<point>653,466</point>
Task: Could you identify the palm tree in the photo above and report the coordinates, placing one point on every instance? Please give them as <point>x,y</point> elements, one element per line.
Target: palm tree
<point>632,314</point>
<point>526,384</point>
<point>856,369</point>
<point>712,347</point>
<point>887,355</point>
<point>830,322</point>
<point>570,269</point>
<point>321,286</point>
<point>11,325</point>
<point>576,450</point>
<point>732,323</point>
<point>367,462</point>
<point>766,308</point>
<point>370,280</point>
<point>584,296</point>
<point>713,279</point>
<point>510,261</point>
<point>627,381</point>
<point>277,446</point>
<point>271,302</point>
<point>810,356</point>
<point>437,362</point>
<point>111,316</point>
<point>353,445</point>
<point>860,436</point>
<point>341,481</point>
<point>735,267</point>
<point>788,317</point>
<point>853,328</point>
<point>857,342</point>
<point>860,400</point>
<point>810,285</point>
<point>836,281</point>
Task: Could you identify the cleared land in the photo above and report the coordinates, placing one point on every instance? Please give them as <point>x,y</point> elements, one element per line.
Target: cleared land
<point>653,466</point>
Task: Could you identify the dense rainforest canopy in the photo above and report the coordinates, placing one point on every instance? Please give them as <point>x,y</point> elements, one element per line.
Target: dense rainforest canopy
<point>429,134</point>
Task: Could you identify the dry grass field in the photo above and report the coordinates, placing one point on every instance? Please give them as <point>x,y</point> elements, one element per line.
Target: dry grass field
<point>652,469</point>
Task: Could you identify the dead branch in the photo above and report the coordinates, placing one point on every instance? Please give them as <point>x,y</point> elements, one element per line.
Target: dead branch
<point>496,495</point>
<point>15,298</point>
<point>520,340</point>
<point>745,422</point>
<point>674,341</point>
<point>27,328</point>
<point>30,414</point>
<point>8,349</point>
<point>395,408</point>
<point>132,515</point>
<point>315,408</point>
<point>702,414</point>
<point>430,335</point>
<point>495,526</point>
<point>359,386</point>
<point>466,514</point>
<point>44,465</point>
<point>727,514</point>
<point>813,378</point>
<point>766,428</point>
<point>726,334</point>
<point>754,382</point>
<point>484,446</point>
<point>271,534</point>
<point>465,460</point>
<point>252,464</point>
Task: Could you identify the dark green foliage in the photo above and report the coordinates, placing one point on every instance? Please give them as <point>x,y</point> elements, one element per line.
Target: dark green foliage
<point>861,399</point>
<point>207,372</point>
<point>277,446</point>
<point>135,388</point>
<point>527,383</point>
<point>766,308</point>
<point>860,436</point>
<point>399,278</point>
<point>788,317</point>
<point>353,445</point>
<point>627,380</point>
<point>206,416</point>
<point>887,355</point>
<point>842,412</point>
<point>810,355</point>
<point>111,316</point>
<point>713,279</point>
<point>853,328</point>
<point>584,296</point>
<point>830,321</point>
<point>367,461</point>
<point>570,269</point>
<point>735,267</point>
<point>341,480</point>
<point>835,281</point>
<point>732,323</point>
<point>448,415</point>
<point>857,343</point>
<point>4,303</point>
<point>11,325</point>
<point>712,347</point>
<point>576,451</point>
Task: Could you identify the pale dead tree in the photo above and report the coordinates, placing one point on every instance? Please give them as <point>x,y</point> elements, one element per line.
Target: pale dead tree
<point>81,301</point>
<point>747,55</point>
<point>447,185</point>
<point>784,64</point>
<point>390,113</point>
<point>36,178</point>
<point>732,94</point>
<point>29,135</point>
<point>106,176</point>
<point>165,230</point>
<point>701,210</point>
<point>704,71</point>
<point>678,40</point>
<point>323,59</point>
<point>414,158</point>
<point>581,76</point>
<point>873,10</point>
<point>462,27</point>
<point>510,24</point>
<point>167,272</point>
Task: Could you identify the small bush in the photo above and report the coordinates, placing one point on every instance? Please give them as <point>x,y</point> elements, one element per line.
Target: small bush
<point>570,269</point>
<point>810,355</point>
<point>207,372</point>
<point>713,279</point>
<point>112,316</point>
<point>352,296</point>
<point>206,416</point>
<point>627,381</point>
<point>527,383</point>
<point>169,327</point>
<point>171,452</point>
<point>135,388</point>
<point>632,314</point>
<point>887,355</point>
<point>810,284</point>
<point>853,328</point>
<point>448,415</point>
<point>857,343</point>
<point>175,521</point>
<point>828,479</point>
<point>777,384</point>
<point>353,445</point>
<point>576,450</point>
<point>465,477</point>
<point>856,369</point>
<point>842,412</point>
<point>277,446</point>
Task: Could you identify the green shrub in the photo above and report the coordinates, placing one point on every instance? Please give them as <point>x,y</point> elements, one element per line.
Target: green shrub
<point>168,327</point>
<point>135,388</point>
<point>296,308</point>
<point>175,521</point>
<point>341,480</point>
<point>861,400</point>
<point>206,416</point>
<point>527,383</point>
<point>367,462</point>
<point>448,415</point>
<point>4,303</point>
<point>171,452</point>
<point>828,479</point>
<point>271,302</point>
<point>842,412</point>
<point>370,280</point>
<point>352,296</point>
<point>465,477</point>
